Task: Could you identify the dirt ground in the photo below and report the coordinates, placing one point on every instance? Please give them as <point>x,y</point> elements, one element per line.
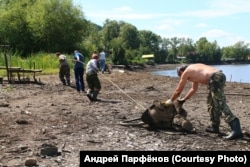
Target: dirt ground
<point>34,116</point>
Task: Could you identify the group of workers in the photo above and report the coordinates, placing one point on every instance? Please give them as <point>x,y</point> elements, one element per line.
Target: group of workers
<point>195,73</point>
<point>95,64</point>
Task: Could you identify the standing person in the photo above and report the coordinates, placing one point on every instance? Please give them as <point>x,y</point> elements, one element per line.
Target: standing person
<point>64,69</point>
<point>102,61</point>
<point>215,80</point>
<point>79,71</point>
<point>93,81</point>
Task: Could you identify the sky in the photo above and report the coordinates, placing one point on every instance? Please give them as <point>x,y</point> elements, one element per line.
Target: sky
<point>224,21</point>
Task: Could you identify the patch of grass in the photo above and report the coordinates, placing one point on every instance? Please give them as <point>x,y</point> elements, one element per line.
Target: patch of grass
<point>48,62</point>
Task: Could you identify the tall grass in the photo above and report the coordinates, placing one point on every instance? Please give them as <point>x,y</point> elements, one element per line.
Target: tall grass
<point>48,62</point>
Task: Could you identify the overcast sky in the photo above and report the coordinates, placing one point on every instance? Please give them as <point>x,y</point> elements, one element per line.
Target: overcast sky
<point>226,21</point>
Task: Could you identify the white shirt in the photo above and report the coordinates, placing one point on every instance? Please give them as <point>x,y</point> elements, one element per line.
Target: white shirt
<point>102,55</point>
<point>92,66</point>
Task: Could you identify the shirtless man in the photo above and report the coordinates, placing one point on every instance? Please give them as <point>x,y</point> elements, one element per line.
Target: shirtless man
<point>215,80</point>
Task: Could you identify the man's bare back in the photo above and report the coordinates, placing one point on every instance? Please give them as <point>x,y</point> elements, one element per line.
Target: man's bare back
<point>195,73</point>
<point>199,73</point>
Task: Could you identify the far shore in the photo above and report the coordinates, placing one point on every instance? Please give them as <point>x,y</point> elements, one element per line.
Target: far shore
<point>174,66</point>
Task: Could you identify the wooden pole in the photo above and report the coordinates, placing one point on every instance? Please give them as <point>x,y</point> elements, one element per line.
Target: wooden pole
<point>6,60</point>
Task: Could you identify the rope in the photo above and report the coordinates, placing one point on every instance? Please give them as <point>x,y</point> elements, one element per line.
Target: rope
<point>123,91</point>
<point>118,88</point>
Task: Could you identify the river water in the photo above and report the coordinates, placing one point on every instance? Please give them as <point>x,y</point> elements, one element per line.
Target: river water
<point>234,73</point>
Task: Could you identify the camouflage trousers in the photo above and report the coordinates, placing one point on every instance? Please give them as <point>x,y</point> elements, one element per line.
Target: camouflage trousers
<point>216,99</point>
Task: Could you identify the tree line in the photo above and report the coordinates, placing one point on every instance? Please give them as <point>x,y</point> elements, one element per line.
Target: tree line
<point>33,26</point>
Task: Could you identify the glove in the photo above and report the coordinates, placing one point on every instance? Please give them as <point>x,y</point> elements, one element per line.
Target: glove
<point>167,103</point>
<point>181,101</point>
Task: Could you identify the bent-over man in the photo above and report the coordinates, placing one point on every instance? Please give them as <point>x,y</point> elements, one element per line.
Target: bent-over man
<point>64,69</point>
<point>215,80</point>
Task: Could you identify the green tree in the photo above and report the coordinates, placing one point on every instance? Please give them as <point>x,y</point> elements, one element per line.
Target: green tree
<point>118,52</point>
<point>35,25</point>
<point>228,53</point>
<point>109,32</point>
<point>92,42</point>
<point>215,52</point>
<point>14,26</point>
<point>128,34</point>
<point>201,49</point>
<point>242,50</point>
<point>186,46</point>
<point>133,56</point>
<point>56,25</point>
<point>149,42</point>
<point>239,51</point>
<point>172,45</point>
<point>207,51</point>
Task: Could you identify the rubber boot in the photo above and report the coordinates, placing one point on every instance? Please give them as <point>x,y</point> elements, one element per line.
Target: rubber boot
<point>89,95</point>
<point>236,130</point>
<point>63,81</point>
<point>95,94</point>
<point>68,82</point>
<point>213,129</point>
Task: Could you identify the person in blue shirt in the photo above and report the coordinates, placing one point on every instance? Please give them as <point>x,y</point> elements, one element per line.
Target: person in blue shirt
<point>103,60</point>
<point>79,71</point>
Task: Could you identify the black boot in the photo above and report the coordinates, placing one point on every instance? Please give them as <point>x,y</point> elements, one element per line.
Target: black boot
<point>236,130</point>
<point>68,82</point>
<point>89,95</point>
<point>95,93</point>
<point>213,129</point>
<point>63,82</point>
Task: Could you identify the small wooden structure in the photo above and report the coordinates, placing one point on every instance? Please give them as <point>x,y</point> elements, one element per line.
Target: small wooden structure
<point>20,72</point>
<point>11,71</point>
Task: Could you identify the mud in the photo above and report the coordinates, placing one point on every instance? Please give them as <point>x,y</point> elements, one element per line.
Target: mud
<point>33,116</point>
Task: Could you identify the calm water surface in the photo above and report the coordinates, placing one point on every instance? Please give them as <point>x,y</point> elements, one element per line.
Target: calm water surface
<point>234,73</point>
